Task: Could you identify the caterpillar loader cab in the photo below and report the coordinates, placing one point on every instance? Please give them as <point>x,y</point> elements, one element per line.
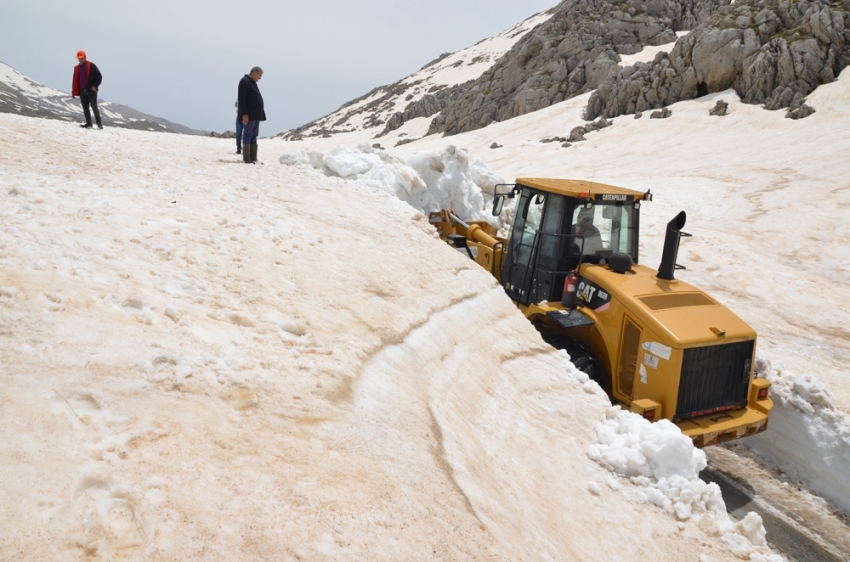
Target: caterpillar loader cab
<point>656,344</point>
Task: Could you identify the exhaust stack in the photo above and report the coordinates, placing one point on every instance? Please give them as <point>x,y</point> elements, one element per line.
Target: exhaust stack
<point>671,247</point>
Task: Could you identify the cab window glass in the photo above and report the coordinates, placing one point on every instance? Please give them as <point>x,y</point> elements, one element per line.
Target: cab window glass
<point>533,217</point>
<point>551,239</point>
<point>605,227</point>
<point>527,224</point>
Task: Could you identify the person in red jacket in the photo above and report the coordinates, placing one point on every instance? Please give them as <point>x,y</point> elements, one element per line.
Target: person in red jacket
<point>87,80</point>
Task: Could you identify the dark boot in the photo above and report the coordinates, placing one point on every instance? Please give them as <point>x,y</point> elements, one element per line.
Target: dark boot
<point>246,153</point>
<point>254,153</point>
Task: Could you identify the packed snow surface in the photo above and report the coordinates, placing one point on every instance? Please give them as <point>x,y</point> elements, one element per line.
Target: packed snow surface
<point>204,359</point>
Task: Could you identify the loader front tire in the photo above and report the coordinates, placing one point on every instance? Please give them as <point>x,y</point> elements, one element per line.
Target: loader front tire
<point>579,355</point>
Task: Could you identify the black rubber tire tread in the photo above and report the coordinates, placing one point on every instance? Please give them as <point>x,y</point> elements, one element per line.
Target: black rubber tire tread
<point>579,355</point>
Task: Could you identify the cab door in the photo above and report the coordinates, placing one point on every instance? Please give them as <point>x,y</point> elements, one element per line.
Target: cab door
<point>518,271</point>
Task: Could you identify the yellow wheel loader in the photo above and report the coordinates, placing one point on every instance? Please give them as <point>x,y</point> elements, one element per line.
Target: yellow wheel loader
<point>658,346</point>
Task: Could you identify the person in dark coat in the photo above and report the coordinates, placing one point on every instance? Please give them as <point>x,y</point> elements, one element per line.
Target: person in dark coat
<point>87,79</point>
<point>250,102</point>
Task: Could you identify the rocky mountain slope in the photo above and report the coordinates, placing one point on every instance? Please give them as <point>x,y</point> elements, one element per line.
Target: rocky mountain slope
<point>771,52</point>
<point>572,53</point>
<point>21,95</point>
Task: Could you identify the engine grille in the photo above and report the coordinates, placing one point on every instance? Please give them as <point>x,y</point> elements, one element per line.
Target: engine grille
<point>714,379</point>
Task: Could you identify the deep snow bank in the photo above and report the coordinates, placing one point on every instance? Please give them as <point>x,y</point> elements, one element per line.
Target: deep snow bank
<point>428,181</point>
<point>808,437</point>
<point>663,466</point>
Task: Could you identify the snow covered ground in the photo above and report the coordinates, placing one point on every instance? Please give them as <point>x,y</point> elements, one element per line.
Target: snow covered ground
<point>204,359</point>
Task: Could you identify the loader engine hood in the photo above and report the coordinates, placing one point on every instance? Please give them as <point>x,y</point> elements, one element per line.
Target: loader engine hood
<point>675,310</point>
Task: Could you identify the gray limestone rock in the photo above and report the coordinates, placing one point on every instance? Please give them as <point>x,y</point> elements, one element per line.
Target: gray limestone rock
<point>799,112</point>
<point>798,109</point>
<point>577,134</point>
<point>428,105</point>
<point>576,51</point>
<point>771,52</point>
<point>719,109</point>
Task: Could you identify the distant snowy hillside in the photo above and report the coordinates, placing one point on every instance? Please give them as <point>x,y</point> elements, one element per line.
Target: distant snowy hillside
<point>422,94</point>
<point>23,96</point>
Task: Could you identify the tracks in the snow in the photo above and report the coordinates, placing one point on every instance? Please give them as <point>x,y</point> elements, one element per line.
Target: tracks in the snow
<point>790,537</point>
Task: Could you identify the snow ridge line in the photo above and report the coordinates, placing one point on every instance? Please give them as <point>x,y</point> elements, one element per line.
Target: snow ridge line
<point>398,410</point>
<point>399,338</point>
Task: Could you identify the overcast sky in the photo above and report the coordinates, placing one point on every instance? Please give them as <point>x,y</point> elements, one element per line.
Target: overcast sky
<point>182,60</point>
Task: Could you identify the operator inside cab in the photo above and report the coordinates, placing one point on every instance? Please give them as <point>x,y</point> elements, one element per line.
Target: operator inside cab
<point>560,224</point>
<point>583,226</point>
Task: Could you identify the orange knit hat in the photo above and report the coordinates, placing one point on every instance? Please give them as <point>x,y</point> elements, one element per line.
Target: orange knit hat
<point>81,54</point>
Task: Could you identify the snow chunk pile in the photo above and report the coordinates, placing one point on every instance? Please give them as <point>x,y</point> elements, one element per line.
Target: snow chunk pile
<point>808,437</point>
<point>657,457</point>
<point>633,446</point>
<point>428,181</point>
<point>664,465</point>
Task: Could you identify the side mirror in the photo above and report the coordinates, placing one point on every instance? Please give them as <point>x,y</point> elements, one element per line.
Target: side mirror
<point>498,203</point>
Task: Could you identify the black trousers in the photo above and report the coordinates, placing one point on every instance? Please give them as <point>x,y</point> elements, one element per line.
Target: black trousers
<point>87,97</point>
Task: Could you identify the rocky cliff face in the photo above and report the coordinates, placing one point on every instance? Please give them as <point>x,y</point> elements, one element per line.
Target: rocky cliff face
<point>427,106</point>
<point>575,51</point>
<point>771,52</point>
